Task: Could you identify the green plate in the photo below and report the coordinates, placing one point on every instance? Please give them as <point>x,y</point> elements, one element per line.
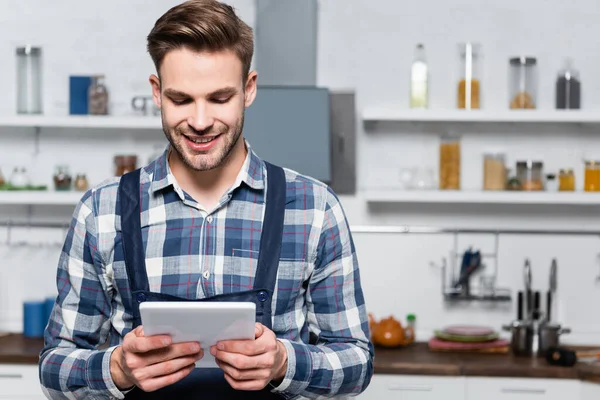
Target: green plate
<point>458,338</point>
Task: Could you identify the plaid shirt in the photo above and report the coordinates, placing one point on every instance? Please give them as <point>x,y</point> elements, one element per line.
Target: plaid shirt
<point>195,253</point>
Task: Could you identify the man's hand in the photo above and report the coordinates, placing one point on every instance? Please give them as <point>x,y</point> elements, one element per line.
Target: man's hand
<point>152,362</point>
<point>251,365</point>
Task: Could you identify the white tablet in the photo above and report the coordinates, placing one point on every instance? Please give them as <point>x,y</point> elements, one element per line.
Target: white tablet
<point>206,322</point>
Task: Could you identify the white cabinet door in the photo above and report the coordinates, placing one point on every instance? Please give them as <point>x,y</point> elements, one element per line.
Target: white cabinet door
<point>20,382</point>
<point>408,387</point>
<point>521,389</point>
<point>590,391</point>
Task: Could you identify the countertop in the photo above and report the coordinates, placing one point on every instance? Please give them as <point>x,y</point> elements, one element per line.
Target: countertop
<point>415,359</point>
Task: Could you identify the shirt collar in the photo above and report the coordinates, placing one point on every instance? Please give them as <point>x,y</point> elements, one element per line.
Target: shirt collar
<point>252,172</point>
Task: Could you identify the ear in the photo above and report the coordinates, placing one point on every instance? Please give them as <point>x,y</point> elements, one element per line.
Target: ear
<point>250,89</point>
<point>155,83</point>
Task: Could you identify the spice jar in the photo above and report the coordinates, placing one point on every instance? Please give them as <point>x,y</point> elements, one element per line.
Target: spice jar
<point>530,175</point>
<point>566,180</point>
<point>568,88</point>
<point>98,96</point>
<point>450,162</point>
<point>494,171</point>
<point>62,178</point>
<point>29,80</point>
<point>468,86</point>
<point>124,164</point>
<point>523,83</point>
<point>592,176</point>
<point>551,183</point>
<point>81,183</point>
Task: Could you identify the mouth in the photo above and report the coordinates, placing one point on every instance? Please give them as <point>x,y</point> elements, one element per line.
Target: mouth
<point>201,144</point>
<point>201,140</point>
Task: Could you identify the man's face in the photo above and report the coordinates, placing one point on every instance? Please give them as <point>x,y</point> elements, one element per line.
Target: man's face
<point>202,97</point>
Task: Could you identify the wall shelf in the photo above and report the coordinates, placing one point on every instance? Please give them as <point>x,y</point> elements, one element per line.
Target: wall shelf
<point>83,121</point>
<point>41,197</point>
<point>391,114</point>
<point>481,197</point>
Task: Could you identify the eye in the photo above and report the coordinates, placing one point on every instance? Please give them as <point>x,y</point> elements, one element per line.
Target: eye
<point>180,102</point>
<point>221,101</point>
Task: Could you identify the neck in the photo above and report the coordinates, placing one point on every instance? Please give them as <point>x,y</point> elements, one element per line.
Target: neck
<point>207,187</point>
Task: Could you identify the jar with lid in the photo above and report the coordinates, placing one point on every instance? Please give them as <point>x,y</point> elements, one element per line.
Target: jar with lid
<point>98,96</point>
<point>531,175</point>
<point>19,178</point>
<point>469,84</point>
<point>566,180</point>
<point>62,178</point>
<point>523,83</point>
<point>124,164</point>
<point>568,88</point>
<point>450,162</point>
<point>494,171</point>
<point>551,183</point>
<point>592,176</point>
<point>419,76</point>
<point>81,183</point>
<point>29,80</point>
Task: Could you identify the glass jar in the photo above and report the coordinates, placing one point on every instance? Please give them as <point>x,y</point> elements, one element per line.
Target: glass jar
<point>592,176</point>
<point>450,162</point>
<point>81,183</point>
<point>419,79</point>
<point>62,178</point>
<point>124,164</point>
<point>568,88</point>
<point>29,80</point>
<point>19,178</point>
<point>98,96</point>
<point>494,171</point>
<point>551,183</point>
<point>469,84</point>
<point>566,180</point>
<point>523,83</point>
<point>530,175</point>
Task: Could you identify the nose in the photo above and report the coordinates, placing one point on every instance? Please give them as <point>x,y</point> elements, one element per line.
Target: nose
<point>201,119</point>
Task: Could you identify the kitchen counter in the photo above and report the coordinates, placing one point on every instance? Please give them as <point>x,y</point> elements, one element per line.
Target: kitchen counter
<point>418,360</point>
<point>412,360</point>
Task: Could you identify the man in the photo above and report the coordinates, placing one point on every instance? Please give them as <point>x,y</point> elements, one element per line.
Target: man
<point>208,218</point>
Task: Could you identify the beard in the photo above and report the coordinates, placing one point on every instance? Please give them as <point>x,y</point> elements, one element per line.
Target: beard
<point>214,158</point>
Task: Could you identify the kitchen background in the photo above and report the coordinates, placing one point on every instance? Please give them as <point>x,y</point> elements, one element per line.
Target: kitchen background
<point>365,48</point>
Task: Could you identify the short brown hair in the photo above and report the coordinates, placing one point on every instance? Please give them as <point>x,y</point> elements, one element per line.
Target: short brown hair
<point>201,25</point>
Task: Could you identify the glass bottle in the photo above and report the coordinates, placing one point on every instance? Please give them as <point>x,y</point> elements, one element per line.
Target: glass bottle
<point>523,83</point>
<point>409,331</point>
<point>566,180</point>
<point>592,176</point>
<point>419,75</point>
<point>29,80</point>
<point>568,87</point>
<point>450,162</point>
<point>98,96</point>
<point>469,84</point>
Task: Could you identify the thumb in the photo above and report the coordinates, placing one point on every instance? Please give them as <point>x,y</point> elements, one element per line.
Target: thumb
<point>139,331</point>
<point>259,329</point>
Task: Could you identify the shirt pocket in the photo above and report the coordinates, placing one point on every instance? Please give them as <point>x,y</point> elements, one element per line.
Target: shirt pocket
<point>240,270</point>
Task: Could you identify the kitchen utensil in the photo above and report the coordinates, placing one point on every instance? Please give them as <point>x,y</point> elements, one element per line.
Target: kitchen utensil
<point>468,330</point>
<point>537,312</point>
<point>551,289</point>
<point>522,333</point>
<point>465,339</point>
<point>548,337</point>
<point>528,300</point>
<point>567,358</point>
<point>520,306</point>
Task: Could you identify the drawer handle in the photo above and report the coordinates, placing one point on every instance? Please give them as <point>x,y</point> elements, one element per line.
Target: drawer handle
<point>523,390</point>
<point>411,388</point>
<point>11,376</point>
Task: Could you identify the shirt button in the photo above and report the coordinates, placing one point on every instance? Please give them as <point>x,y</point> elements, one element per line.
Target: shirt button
<point>209,219</point>
<point>206,274</point>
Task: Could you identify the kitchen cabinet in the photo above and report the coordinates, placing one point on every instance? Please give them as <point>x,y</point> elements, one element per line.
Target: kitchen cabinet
<point>407,387</point>
<point>521,389</point>
<point>20,382</point>
<point>590,391</point>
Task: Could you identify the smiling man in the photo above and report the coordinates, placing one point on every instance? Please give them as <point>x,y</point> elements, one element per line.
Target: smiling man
<point>207,221</point>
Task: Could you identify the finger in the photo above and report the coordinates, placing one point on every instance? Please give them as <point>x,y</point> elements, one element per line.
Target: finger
<point>259,330</point>
<point>191,349</point>
<point>154,384</point>
<point>163,368</point>
<point>243,375</point>
<point>138,331</point>
<point>147,343</point>
<point>242,362</point>
<point>245,385</point>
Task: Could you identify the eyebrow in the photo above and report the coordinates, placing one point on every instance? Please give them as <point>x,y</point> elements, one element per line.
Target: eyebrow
<point>226,91</point>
